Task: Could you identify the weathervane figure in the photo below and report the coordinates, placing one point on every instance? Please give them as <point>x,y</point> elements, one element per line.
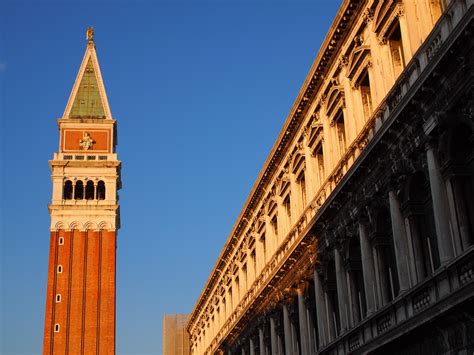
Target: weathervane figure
<point>90,34</point>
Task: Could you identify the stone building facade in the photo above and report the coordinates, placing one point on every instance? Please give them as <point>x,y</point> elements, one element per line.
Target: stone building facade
<point>175,335</point>
<point>85,217</point>
<point>357,236</point>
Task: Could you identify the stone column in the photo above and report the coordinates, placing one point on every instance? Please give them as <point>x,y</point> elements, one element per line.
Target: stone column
<point>251,346</point>
<point>311,330</point>
<point>332,327</point>
<point>273,336</point>
<point>261,341</point>
<point>400,241</point>
<point>287,330</point>
<point>303,321</point>
<point>440,206</point>
<point>243,350</point>
<point>367,269</point>
<point>294,338</point>
<point>419,271</point>
<point>356,303</point>
<point>320,309</point>
<point>381,275</point>
<point>341,283</point>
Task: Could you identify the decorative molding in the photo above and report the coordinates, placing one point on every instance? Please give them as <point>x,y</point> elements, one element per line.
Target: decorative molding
<point>368,15</point>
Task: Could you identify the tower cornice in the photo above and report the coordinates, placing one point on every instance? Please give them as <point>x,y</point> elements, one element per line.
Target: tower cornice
<point>85,163</point>
<point>93,120</point>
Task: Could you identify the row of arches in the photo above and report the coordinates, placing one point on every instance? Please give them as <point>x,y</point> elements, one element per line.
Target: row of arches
<point>83,225</point>
<point>81,191</point>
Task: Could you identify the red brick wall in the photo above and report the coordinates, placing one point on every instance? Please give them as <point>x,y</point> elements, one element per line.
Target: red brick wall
<point>86,313</point>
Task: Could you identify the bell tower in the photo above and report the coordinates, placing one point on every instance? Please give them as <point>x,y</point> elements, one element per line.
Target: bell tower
<point>85,217</point>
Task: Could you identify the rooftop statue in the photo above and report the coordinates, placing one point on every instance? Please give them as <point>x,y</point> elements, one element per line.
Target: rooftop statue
<point>90,34</point>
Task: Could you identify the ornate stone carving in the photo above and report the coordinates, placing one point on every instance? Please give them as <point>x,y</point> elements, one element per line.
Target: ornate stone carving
<point>382,40</point>
<point>343,61</point>
<point>400,9</point>
<point>368,16</point>
<point>86,142</point>
<point>358,40</point>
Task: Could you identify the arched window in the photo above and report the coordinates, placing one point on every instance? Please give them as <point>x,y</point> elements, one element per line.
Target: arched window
<point>90,190</point>
<point>79,190</point>
<point>67,190</point>
<point>101,190</point>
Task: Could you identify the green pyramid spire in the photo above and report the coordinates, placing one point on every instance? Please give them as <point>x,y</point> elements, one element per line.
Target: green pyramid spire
<point>87,102</point>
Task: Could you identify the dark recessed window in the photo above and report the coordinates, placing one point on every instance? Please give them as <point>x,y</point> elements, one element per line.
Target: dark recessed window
<point>79,190</point>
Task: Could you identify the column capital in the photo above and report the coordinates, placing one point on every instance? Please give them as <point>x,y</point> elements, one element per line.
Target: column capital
<point>363,219</point>
<point>289,296</point>
<point>431,143</point>
<point>302,287</point>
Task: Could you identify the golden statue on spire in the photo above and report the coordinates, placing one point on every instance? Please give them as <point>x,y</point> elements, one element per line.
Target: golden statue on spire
<point>90,34</point>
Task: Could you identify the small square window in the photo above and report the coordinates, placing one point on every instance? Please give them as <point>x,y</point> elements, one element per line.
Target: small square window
<point>61,241</point>
<point>58,298</point>
<point>56,328</point>
<point>60,269</point>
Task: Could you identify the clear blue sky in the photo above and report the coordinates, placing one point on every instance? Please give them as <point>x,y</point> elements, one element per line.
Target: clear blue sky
<point>200,90</point>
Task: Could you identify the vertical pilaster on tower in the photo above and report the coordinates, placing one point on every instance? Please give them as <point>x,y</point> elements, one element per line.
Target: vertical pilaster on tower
<point>85,217</point>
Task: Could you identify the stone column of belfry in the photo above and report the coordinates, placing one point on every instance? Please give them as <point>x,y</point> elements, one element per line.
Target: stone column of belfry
<point>80,297</point>
<point>440,205</point>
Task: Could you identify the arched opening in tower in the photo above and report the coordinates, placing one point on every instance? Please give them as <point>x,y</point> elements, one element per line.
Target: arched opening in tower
<point>90,190</point>
<point>101,190</point>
